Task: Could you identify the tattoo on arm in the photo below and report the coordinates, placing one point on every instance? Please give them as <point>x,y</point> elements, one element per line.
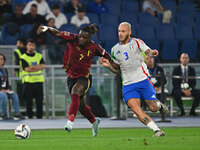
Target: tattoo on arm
<point>148,52</point>
<point>115,68</point>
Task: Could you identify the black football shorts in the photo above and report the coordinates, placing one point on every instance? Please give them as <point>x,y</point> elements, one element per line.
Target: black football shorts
<point>87,82</point>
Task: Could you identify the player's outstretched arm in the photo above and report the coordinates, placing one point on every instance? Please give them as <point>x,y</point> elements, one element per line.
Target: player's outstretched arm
<point>150,52</point>
<point>110,65</point>
<point>51,30</point>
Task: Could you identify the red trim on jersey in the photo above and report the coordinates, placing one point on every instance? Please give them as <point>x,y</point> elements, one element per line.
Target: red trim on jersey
<point>138,44</point>
<point>146,75</point>
<point>141,41</point>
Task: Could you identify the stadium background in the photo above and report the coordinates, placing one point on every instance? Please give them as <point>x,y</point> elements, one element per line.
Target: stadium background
<point>181,35</point>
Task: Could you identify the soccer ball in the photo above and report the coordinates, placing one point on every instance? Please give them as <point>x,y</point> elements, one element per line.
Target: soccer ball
<point>22,131</point>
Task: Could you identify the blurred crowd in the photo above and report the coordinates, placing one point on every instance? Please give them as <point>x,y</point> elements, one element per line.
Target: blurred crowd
<point>156,22</point>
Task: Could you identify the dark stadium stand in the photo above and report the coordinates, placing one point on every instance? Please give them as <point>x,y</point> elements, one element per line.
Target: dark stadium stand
<point>19,2</point>
<point>190,47</point>
<point>169,51</point>
<point>95,38</point>
<point>197,18</point>
<point>24,30</point>
<point>185,18</point>
<point>185,25</point>
<point>69,16</point>
<point>145,18</point>
<point>93,18</point>
<point>107,32</point>
<point>145,32</point>
<point>114,6</point>
<point>170,5</point>
<point>131,18</point>
<point>165,32</point>
<point>130,6</point>
<point>187,7</point>
<point>109,19</point>
<point>197,31</point>
<point>6,38</point>
<point>109,45</point>
<point>69,27</point>
<point>183,32</point>
<point>154,44</point>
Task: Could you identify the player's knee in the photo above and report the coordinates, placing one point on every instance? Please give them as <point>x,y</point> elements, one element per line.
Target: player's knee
<point>75,91</point>
<point>132,106</point>
<point>153,108</point>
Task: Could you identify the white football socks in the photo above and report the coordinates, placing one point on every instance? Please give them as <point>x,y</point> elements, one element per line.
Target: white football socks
<point>152,126</point>
<point>69,124</point>
<point>158,104</point>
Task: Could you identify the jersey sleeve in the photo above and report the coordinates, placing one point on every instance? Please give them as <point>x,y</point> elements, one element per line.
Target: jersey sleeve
<point>68,35</point>
<point>141,45</point>
<point>100,51</point>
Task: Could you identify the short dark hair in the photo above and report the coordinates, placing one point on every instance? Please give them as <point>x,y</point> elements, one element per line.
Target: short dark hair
<point>30,41</point>
<point>18,5</point>
<point>22,40</point>
<point>56,6</point>
<point>81,9</point>
<point>34,5</point>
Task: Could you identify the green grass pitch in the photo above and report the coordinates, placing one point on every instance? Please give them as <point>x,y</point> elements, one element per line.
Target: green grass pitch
<point>108,139</point>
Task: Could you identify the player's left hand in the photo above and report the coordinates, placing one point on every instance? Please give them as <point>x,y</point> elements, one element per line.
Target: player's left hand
<point>155,52</point>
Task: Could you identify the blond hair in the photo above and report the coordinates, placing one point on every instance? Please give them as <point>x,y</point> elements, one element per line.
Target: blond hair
<point>126,23</point>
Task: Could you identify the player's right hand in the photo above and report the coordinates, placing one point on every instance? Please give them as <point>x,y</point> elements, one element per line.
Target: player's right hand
<point>39,30</point>
<point>155,52</point>
<point>104,62</point>
<point>42,29</point>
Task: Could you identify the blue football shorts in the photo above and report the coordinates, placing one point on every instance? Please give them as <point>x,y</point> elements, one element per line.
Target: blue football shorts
<point>143,90</point>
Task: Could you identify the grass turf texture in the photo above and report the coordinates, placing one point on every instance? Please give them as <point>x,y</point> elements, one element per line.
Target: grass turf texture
<point>108,139</point>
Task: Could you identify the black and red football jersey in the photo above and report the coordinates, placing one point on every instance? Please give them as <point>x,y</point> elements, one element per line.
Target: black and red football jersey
<point>77,60</point>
